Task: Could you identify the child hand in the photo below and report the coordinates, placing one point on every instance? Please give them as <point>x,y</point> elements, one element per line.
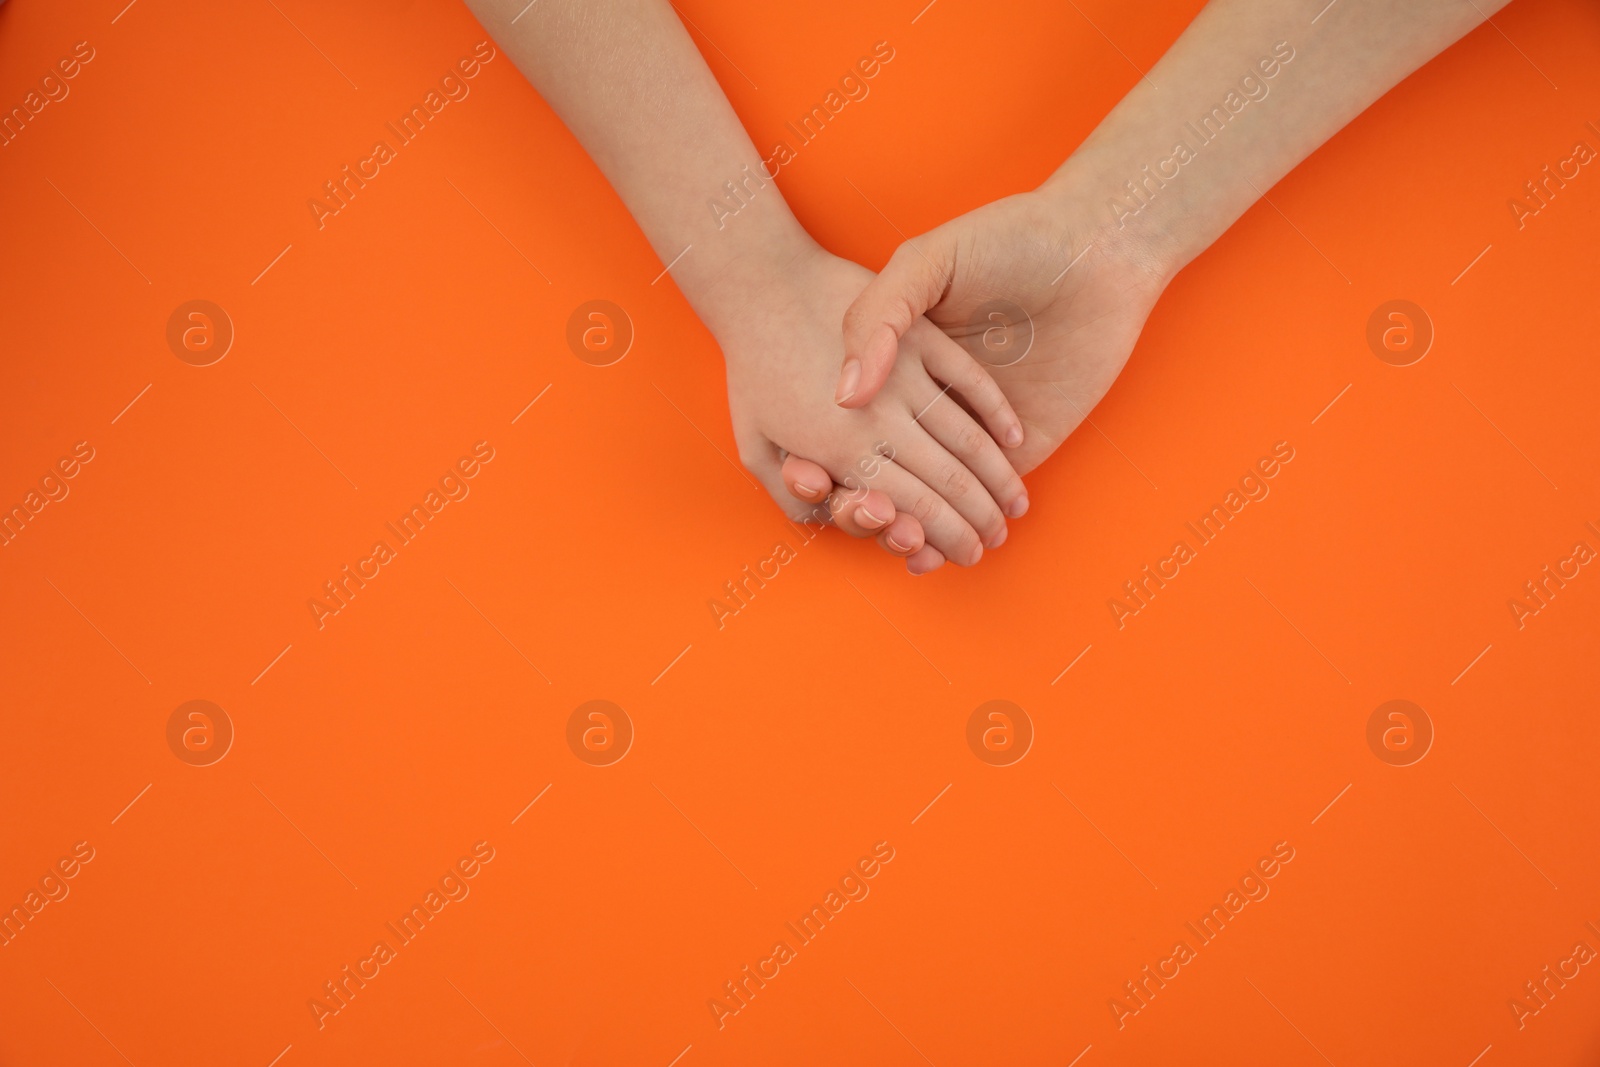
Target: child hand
<point>910,449</point>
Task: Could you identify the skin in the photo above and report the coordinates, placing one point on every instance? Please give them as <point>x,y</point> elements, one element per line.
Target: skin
<point>1087,320</point>
<point>631,86</point>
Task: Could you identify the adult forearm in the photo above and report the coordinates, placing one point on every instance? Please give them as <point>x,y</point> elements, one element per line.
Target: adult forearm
<point>1250,89</point>
<point>630,84</point>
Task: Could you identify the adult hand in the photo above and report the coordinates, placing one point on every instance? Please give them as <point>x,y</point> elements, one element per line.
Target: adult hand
<point>1048,300</point>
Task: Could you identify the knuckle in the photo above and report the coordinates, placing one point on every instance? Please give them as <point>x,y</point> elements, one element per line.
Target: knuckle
<point>967,544</point>
<point>855,319</point>
<point>957,483</point>
<point>928,509</point>
<point>970,440</point>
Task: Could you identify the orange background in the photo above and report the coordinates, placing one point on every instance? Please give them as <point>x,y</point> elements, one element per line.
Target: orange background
<point>827,714</point>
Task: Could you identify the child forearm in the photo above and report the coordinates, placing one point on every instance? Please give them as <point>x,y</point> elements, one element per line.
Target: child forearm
<point>630,84</point>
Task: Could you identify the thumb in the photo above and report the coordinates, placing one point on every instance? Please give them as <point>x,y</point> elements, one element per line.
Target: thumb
<point>912,281</point>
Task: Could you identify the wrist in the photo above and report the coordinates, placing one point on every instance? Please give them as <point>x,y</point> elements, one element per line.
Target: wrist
<point>1146,242</point>
<point>1158,238</point>
<point>733,261</point>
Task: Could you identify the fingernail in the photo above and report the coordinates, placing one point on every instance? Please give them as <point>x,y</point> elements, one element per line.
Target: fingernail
<point>1000,538</point>
<point>977,554</point>
<point>896,545</point>
<point>868,519</point>
<point>1018,508</point>
<point>1014,436</point>
<point>803,490</point>
<point>848,381</point>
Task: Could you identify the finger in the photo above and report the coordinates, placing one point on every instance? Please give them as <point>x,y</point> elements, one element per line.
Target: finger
<point>806,480</point>
<point>949,424</point>
<point>943,525</point>
<point>959,487</point>
<point>912,281</point>
<point>971,380</point>
<point>860,512</point>
<point>902,537</point>
<point>925,561</point>
<point>763,460</point>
